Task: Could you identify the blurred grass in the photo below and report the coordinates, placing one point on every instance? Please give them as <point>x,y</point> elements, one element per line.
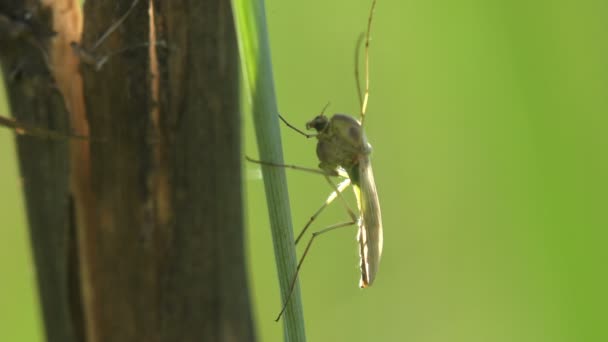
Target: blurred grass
<point>488,121</point>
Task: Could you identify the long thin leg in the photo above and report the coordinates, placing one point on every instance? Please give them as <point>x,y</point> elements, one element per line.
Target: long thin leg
<point>357,77</point>
<point>343,185</point>
<point>295,277</point>
<point>336,193</point>
<point>299,130</point>
<point>295,167</point>
<point>367,39</point>
<point>351,213</point>
<point>296,129</point>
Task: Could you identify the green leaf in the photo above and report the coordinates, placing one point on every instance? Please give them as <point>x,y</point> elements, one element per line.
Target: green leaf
<point>252,36</point>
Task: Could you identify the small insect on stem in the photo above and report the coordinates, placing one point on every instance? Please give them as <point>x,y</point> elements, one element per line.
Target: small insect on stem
<point>343,151</point>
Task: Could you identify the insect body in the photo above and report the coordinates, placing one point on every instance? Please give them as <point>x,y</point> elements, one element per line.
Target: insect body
<point>343,151</point>
<point>343,145</point>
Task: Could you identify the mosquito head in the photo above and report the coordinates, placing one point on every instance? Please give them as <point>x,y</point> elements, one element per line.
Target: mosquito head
<point>319,123</point>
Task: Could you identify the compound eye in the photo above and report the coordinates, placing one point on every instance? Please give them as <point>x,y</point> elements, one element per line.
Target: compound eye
<point>318,123</point>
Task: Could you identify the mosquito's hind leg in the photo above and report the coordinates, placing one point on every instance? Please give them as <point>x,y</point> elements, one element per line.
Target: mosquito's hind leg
<point>363,99</point>
<point>295,277</point>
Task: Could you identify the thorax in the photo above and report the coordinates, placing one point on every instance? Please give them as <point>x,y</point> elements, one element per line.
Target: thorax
<point>342,144</point>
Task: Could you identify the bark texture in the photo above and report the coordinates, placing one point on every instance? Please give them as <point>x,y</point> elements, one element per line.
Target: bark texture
<point>137,232</point>
<point>27,38</point>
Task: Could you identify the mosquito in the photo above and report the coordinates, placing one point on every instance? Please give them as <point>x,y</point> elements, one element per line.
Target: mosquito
<point>344,151</point>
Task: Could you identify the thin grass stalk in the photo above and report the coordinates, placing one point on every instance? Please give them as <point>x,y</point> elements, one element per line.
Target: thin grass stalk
<point>252,36</point>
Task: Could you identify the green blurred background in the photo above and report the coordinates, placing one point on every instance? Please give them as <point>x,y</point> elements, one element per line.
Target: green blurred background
<point>488,121</point>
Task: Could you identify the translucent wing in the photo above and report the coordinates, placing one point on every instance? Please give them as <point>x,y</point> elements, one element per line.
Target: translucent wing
<point>370,224</point>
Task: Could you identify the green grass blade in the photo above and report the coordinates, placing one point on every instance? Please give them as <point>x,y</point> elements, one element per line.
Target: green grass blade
<point>256,65</point>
